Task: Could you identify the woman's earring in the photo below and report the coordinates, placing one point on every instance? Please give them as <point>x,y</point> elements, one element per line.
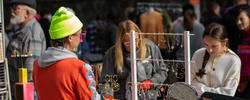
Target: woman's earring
<point>74,49</point>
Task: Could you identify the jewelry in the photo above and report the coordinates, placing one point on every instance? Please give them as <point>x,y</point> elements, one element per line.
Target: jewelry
<point>115,84</point>
<point>74,50</point>
<point>182,42</point>
<point>182,73</point>
<point>107,80</point>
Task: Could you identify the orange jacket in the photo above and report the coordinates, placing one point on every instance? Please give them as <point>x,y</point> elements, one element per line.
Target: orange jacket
<point>68,79</point>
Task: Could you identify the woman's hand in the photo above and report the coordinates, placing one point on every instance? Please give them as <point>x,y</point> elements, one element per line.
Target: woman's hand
<point>242,86</point>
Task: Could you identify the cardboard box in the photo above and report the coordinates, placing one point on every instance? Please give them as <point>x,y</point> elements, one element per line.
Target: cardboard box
<point>24,91</point>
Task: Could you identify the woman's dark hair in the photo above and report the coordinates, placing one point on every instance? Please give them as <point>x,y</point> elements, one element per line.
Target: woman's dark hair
<point>216,31</point>
<point>188,17</point>
<point>242,8</point>
<point>186,7</point>
<point>213,5</point>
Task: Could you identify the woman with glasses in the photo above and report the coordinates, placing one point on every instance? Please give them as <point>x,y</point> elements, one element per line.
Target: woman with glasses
<point>215,68</point>
<point>58,74</point>
<point>117,61</point>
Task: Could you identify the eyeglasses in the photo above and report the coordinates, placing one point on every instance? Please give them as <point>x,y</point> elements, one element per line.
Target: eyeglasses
<point>127,43</point>
<point>83,35</point>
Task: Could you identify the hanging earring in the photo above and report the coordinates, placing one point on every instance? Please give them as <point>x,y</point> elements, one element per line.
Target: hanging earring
<point>115,84</point>
<point>182,41</point>
<point>173,43</point>
<point>225,46</point>
<point>74,50</point>
<point>173,69</point>
<point>177,39</point>
<point>176,69</point>
<point>182,72</point>
<point>107,85</point>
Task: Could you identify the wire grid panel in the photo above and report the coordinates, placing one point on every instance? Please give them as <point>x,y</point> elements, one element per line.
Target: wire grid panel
<point>4,74</point>
<point>187,61</point>
<point>3,83</point>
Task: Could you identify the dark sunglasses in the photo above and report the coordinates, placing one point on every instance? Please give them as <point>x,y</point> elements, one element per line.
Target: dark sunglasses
<point>83,35</point>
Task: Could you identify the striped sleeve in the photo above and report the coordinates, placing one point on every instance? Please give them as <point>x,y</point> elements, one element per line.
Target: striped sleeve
<point>35,43</point>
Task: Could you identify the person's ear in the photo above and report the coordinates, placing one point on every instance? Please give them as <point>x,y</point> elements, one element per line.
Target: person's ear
<point>226,41</point>
<point>27,13</point>
<point>69,39</point>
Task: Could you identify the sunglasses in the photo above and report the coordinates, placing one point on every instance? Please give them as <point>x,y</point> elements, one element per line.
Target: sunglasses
<point>83,35</point>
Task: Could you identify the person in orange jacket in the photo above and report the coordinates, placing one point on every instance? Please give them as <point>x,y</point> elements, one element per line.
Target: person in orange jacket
<point>58,74</point>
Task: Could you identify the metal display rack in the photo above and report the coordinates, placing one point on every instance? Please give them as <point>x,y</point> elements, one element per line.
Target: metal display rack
<point>5,93</point>
<point>187,61</point>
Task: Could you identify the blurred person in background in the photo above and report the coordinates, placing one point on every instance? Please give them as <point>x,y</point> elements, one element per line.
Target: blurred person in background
<point>151,21</point>
<point>45,23</point>
<point>100,37</point>
<point>213,14</point>
<point>229,22</point>
<point>28,38</point>
<point>188,23</point>
<point>243,23</point>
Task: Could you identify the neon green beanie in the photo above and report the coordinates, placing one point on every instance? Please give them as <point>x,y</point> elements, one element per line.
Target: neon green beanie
<point>64,23</point>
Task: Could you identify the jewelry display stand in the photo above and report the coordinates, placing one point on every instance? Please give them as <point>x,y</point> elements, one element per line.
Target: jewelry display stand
<point>134,83</point>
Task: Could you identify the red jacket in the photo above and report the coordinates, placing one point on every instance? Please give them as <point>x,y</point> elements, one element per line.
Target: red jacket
<point>68,79</point>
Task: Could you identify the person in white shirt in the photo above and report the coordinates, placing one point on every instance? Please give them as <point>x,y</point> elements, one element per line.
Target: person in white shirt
<point>216,68</point>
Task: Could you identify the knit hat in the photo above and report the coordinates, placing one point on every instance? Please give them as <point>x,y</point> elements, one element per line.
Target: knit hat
<point>64,23</point>
<point>30,3</point>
